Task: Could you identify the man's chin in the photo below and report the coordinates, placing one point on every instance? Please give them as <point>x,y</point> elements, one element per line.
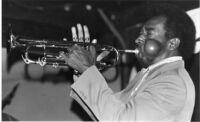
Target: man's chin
<point>142,62</point>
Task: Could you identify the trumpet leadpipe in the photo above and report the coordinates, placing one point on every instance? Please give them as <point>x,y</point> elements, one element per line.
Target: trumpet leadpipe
<point>135,51</point>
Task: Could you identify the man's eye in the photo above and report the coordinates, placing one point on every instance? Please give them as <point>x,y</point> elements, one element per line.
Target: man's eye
<point>150,33</point>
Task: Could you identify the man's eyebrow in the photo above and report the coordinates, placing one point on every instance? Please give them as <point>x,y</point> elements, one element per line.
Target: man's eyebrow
<point>149,28</point>
<point>146,29</point>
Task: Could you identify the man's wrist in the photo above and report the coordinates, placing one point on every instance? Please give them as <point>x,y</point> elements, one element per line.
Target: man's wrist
<point>77,75</point>
<point>83,69</point>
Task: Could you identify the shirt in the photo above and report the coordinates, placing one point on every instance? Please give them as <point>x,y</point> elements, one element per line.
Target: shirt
<point>153,66</point>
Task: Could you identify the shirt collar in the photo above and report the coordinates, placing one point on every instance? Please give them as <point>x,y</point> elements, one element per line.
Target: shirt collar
<point>165,61</point>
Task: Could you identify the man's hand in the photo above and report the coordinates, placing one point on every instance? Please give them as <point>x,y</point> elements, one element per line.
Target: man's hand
<point>78,57</point>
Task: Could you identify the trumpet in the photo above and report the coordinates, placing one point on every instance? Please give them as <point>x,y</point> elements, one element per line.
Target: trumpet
<point>47,52</point>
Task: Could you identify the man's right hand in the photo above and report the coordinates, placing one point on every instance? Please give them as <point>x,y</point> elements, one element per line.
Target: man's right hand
<point>80,58</point>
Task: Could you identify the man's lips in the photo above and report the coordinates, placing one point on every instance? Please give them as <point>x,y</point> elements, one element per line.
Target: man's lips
<point>140,53</point>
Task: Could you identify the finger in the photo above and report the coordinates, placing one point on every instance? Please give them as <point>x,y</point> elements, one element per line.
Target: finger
<point>84,57</point>
<point>92,51</point>
<point>87,34</point>
<point>70,50</point>
<point>69,59</point>
<point>64,56</point>
<point>74,35</point>
<point>80,33</point>
<point>60,57</point>
<point>78,55</point>
<point>79,50</point>
<point>77,47</point>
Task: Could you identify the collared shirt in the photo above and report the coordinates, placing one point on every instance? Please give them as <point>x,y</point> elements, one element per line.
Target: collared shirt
<point>151,67</point>
<point>164,61</point>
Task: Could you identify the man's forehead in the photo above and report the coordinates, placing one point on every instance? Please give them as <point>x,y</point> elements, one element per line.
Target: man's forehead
<point>154,22</point>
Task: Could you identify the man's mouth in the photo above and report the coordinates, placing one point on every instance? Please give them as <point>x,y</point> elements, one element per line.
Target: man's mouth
<point>140,52</point>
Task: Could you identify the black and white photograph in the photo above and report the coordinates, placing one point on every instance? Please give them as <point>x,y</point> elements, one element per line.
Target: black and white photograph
<point>100,60</point>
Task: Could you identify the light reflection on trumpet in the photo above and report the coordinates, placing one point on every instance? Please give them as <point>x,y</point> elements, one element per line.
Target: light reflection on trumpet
<point>136,51</point>
<point>46,52</point>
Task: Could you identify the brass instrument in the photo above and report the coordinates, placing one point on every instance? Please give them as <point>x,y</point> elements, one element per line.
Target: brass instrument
<point>46,52</point>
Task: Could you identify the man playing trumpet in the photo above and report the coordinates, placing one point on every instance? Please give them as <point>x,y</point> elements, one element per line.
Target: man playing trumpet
<point>161,91</point>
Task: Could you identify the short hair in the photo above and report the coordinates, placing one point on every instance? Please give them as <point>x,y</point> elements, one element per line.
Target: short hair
<point>178,24</point>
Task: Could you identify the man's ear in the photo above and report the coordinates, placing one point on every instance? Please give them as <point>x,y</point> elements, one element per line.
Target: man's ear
<point>174,43</point>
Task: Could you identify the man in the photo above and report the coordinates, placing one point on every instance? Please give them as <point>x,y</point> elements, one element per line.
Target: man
<point>162,92</point>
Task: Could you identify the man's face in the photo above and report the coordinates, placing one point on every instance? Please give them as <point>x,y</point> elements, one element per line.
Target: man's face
<point>154,29</point>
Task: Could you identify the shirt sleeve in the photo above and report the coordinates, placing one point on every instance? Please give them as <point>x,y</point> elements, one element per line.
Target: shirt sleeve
<point>92,92</point>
